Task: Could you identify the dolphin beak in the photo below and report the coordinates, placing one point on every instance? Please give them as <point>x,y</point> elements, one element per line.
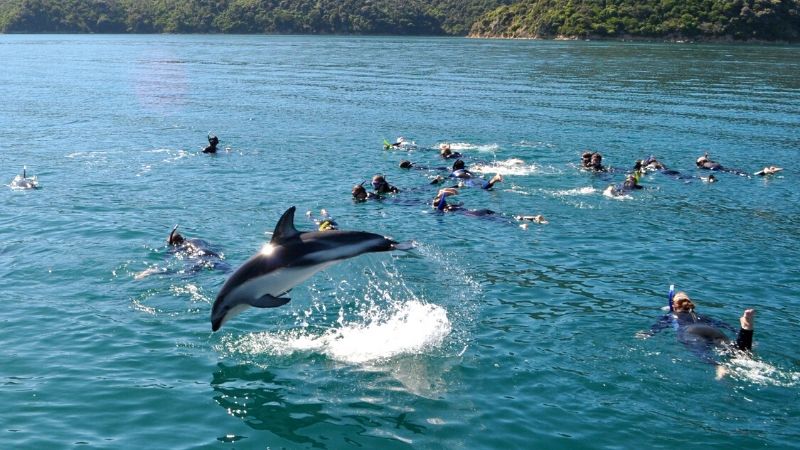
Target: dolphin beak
<point>216,324</point>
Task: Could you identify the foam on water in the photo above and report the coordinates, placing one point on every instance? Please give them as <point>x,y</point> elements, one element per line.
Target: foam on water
<point>461,146</point>
<point>513,166</point>
<point>371,319</point>
<point>759,372</point>
<point>588,190</point>
<point>406,328</point>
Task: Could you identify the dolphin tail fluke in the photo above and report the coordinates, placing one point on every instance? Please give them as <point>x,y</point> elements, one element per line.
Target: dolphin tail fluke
<point>269,301</point>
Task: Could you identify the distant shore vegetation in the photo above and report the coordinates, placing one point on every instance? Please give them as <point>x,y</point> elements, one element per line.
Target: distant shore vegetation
<point>745,20</point>
<point>401,17</point>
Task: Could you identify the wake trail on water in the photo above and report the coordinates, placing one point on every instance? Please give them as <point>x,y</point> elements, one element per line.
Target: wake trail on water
<point>759,372</point>
<point>513,166</point>
<point>370,319</point>
<point>462,146</point>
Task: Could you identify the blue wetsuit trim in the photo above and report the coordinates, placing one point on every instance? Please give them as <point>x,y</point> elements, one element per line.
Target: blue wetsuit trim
<point>442,203</point>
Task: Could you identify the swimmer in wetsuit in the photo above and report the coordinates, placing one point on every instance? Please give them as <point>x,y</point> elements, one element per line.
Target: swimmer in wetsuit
<point>441,205</point>
<point>325,222</point>
<point>401,143</point>
<point>381,186</point>
<point>21,182</point>
<point>593,161</point>
<point>705,163</point>
<point>446,153</point>
<point>196,252</point>
<point>467,178</point>
<point>701,334</point>
<point>360,194</point>
<point>212,144</point>
<point>406,164</point>
<point>631,183</point>
<point>193,247</point>
<point>769,170</point>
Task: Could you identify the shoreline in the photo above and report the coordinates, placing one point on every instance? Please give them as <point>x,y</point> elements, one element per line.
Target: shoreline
<point>598,38</point>
<point>631,38</point>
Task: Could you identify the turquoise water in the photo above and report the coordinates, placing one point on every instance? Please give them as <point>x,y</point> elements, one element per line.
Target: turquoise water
<point>487,335</point>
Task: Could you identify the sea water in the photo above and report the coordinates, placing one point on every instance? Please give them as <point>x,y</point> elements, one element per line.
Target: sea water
<point>487,335</point>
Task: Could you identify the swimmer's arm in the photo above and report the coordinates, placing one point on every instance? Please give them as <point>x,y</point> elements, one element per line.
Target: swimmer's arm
<point>489,184</point>
<point>744,338</point>
<point>442,203</point>
<point>664,322</point>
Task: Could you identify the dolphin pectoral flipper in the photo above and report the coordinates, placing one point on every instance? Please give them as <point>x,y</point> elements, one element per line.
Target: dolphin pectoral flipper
<point>269,301</point>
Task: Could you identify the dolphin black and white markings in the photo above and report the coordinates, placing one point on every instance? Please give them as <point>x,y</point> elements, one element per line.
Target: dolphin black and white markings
<point>290,258</point>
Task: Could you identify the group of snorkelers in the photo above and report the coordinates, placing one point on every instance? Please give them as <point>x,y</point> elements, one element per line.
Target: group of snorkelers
<point>702,335</point>
<point>456,175</point>
<point>593,161</point>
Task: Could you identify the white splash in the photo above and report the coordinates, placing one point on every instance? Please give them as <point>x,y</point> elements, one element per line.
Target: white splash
<point>534,144</point>
<point>760,372</point>
<point>194,292</point>
<point>461,146</point>
<point>149,271</point>
<point>407,328</point>
<point>575,192</point>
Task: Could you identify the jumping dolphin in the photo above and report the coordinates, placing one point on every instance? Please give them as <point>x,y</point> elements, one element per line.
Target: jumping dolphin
<point>290,258</point>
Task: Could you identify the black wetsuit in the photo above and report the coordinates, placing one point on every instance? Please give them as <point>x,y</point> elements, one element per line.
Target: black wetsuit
<point>370,196</point>
<point>443,206</point>
<point>701,334</point>
<point>212,145</point>
<point>717,167</point>
<point>198,255</point>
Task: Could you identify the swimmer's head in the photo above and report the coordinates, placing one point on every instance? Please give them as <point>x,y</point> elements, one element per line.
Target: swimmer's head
<point>597,158</point>
<point>446,152</point>
<point>175,238</point>
<point>681,302</point>
<point>359,193</point>
<point>379,182</point>
<point>458,165</point>
<point>406,164</point>
<point>213,140</point>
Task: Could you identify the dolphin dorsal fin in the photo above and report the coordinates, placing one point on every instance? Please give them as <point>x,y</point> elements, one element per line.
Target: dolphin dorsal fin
<point>285,229</point>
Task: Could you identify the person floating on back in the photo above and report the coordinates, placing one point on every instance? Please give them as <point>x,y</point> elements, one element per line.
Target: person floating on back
<point>769,170</point>
<point>702,334</point>
<point>705,163</point>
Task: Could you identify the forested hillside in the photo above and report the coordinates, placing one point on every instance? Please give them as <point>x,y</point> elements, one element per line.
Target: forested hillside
<point>436,17</point>
<point>673,19</point>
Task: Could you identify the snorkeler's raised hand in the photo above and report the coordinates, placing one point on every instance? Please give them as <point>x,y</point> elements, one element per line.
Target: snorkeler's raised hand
<point>746,321</point>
